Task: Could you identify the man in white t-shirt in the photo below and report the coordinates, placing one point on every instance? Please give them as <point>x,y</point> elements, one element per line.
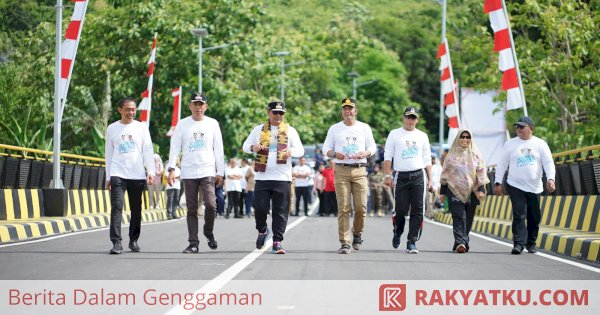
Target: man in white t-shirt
<point>244,167</point>
<point>410,152</point>
<point>155,190</point>
<point>233,185</point>
<point>302,183</point>
<point>128,148</point>
<point>173,192</point>
<point>275,143</point>
<point>202,168</point>
<point>350,142</point>
<point>525,158</point>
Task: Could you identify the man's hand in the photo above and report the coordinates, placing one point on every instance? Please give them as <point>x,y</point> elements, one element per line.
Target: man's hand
<point>480,195</point>
<point>339,156</point>
<point>429,186</point>
<point>551,186</point>
<point>498,190</point>
<point>150,179</point>
<point>108,184</point>
<point>388,182</point>
<point>256,148</point>
<point>287,154</point>
<point>171,178</point>
<point>218,180</point>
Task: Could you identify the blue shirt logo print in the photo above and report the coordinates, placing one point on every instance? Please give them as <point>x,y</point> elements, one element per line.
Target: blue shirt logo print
<point>351,147</point>
<point>526,158</point>
<point>127,145</point>
<point>198,143</point>
<point>411,151</point>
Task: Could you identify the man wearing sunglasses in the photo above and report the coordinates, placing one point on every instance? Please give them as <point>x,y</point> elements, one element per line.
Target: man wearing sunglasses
<point>410,152</point>
<point>525,157</point>
<point>274,143</point>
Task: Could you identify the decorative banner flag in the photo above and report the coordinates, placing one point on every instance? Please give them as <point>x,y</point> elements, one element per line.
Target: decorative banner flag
<point>507,63</point>
<point>176,110</point>
<point>68,49</point>
<point>448,88</point>
<point>146,103</point>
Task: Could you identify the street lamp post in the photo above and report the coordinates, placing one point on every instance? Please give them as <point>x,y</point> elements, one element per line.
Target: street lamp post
<point>441,133</point>
<point>356,85</point>
<point>200,33</point>
<point>282,54</point>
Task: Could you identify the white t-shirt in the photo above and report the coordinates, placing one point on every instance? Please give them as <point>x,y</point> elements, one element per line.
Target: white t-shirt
<point>274,171</point>
<point>177,181</point>
<point>525,160</point>
<point>244,170</point>
<point>409,150</point>
<point>202,146</point>
<point>302,170</point>
<point>233,184</point>
<point>128,148</point>
<point>350,140</point>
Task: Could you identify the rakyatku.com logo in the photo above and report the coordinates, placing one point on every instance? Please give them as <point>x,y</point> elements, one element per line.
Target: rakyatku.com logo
<point>392,297</point>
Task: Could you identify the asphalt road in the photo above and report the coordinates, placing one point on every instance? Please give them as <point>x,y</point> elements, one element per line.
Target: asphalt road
<point>311,246</point>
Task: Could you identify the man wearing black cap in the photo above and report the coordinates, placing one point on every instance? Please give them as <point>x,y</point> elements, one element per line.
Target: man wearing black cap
<point>410,152</point>
<point>274,143</point>
<point>202,167</point>
<point>525,157</point>
<point>350,142</point>
<point>128,147</point>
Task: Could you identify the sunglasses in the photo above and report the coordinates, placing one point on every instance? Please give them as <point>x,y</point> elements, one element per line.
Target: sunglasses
<point>411,117</point>
<point>465,137</point>
<point>520,127</point>
<point>277,113</point>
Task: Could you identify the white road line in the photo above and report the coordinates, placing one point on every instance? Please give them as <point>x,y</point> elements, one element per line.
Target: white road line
<point>566,261</point>
<point>67,234</point>
<point>221,280</point>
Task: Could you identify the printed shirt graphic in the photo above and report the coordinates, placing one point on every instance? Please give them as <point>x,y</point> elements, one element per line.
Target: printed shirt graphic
<point>410,150</point>
<point>350,140</point>
<point>201,143</point>
<point>128,148</point>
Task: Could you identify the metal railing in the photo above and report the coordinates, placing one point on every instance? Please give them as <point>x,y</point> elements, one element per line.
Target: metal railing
<point>31,168</point>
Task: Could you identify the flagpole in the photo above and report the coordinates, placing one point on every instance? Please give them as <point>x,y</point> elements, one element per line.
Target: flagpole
<point>56,180</point>
<point>441,133</point>
<point>514,54</point>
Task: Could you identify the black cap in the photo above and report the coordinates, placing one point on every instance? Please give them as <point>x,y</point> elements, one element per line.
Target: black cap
<point>349,102</point>
<point>198,97</point>
<point>524,121</point>
<point>277,106</point>
<point>411,111</point>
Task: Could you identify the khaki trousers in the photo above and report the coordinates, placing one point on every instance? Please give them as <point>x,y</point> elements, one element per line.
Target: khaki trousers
<point>351,187</point>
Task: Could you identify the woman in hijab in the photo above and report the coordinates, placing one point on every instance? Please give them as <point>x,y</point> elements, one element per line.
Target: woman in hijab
<point>463,180</point>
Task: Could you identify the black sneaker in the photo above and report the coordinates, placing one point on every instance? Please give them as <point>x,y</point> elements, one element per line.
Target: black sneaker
<point>344,250</point>
<point>277,248</point>
<point>396,240</point>
<point>212,242</point>
<point>531,249</point>
<point>411,248</point>
<point>133,245</point>
<point>262,237</point>
<point>116,249</point>
<point>191,249</point>
<point>356,242</point>
<point>517,250</point>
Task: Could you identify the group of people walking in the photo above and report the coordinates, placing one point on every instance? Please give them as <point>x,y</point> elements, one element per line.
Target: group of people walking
<point>349,143</point>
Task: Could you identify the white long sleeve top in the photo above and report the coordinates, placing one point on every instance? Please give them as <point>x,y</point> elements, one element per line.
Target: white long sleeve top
<point>350,140</point>
<point>409,150</point>
<point>128,148</point>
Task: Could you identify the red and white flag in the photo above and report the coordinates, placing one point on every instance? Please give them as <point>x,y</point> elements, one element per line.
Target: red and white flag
<point>176,110</point>
<point>68,48</point>
<point>507,57</point>
<point>146,103</point>
<point>448,89</point>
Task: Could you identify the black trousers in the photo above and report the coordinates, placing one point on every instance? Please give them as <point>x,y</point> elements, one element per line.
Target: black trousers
<point>233,202</point>
<point>462,217</point>
<point>525,206</point>
<point>134,188</point>
<point>304,193</point>
<point>279,193</point>
<point>330,200</point>
<point>321,202</point>
<point>410,196</point>
<point>172,200</point>
<point>192,187</point>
